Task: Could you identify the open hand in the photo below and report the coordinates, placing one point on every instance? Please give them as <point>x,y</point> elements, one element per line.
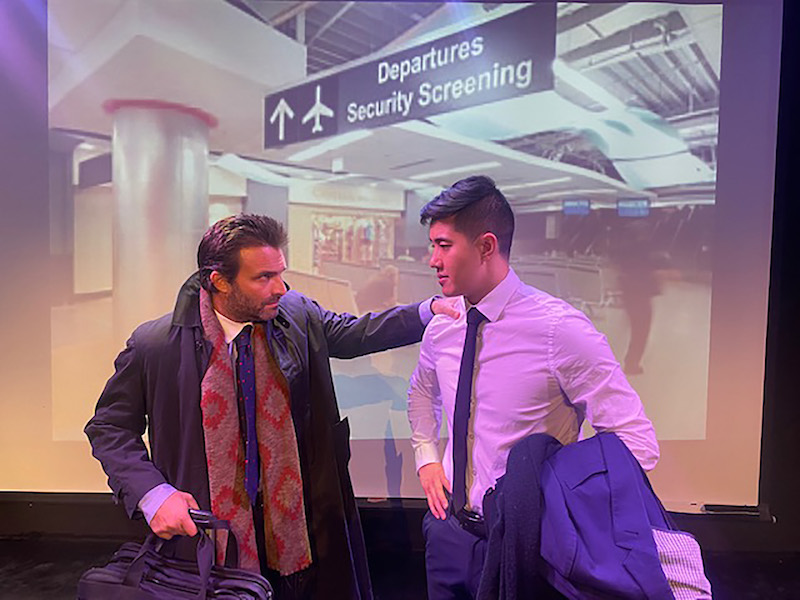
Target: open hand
<point>446,306</point>
<point>434,482</point>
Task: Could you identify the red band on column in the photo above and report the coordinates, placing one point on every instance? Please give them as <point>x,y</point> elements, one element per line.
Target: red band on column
<point>113,105</point>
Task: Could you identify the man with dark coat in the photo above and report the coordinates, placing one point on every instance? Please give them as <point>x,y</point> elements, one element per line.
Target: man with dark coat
<point>235,390</point>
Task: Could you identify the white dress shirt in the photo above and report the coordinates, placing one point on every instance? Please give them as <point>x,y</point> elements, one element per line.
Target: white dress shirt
<point>541,367</point>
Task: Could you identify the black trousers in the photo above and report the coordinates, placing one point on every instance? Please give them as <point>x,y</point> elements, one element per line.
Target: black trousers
<point>297,586</point>
<point>453,559</point>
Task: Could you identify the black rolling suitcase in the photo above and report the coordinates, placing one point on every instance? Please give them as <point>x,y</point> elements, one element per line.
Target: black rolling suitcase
<point>143,572</point>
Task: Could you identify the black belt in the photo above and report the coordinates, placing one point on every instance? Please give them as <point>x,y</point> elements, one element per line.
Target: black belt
<point>471,522</point>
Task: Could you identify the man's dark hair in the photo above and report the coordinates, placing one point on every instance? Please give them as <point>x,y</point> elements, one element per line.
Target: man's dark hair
<point>221,243</point>
<point>478,207</point>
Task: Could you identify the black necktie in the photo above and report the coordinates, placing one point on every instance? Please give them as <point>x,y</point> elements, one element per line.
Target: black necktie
<point>461,416</point>
<point>246,373</point>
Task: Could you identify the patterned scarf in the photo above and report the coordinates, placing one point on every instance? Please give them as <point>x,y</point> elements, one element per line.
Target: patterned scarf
<point>286,531</point>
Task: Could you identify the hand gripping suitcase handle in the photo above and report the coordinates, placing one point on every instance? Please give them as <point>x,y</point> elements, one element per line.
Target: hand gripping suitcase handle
<point>205,519</point>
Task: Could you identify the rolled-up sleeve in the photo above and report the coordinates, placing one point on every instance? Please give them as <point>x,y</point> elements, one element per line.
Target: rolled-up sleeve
<point>587,371</point>
<point>425,407</point>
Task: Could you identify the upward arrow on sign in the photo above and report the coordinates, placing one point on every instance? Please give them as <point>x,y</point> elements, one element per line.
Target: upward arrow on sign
<point>280,113</point>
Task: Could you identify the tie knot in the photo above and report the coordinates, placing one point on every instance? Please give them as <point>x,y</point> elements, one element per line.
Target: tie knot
<point>475,317</point>
<point>243,339</point>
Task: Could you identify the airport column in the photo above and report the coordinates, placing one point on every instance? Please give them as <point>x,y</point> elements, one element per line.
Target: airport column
<point>160,180</point>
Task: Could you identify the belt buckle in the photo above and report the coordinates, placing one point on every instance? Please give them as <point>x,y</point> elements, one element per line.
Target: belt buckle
<point>471,522</point>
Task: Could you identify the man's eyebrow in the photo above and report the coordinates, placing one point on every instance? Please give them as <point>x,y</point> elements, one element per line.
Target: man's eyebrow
<point>270,273</point>
<point>441,239</point>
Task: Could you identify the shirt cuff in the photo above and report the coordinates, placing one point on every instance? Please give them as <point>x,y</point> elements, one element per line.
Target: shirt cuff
<point>425,454</point>
<point>152,500</point>
<point>425,310</point>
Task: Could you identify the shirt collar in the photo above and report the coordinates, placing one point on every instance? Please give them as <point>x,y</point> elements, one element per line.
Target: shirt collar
<point>493,303</point>
<point>229,327</point>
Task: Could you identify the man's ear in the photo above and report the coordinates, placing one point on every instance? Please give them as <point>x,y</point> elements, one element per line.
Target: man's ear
<point>487,245</point>
<point>219,282</point>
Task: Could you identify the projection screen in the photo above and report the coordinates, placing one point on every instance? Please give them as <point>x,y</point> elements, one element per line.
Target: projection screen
<point>635,142</point>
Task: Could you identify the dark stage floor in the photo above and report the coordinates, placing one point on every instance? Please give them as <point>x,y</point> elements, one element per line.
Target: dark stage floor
<point>48,568</point>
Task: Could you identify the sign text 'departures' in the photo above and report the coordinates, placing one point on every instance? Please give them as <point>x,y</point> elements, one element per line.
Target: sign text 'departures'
<point>503,58</point>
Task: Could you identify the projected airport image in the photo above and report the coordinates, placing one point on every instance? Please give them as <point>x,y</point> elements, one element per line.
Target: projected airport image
<point>599,123</point>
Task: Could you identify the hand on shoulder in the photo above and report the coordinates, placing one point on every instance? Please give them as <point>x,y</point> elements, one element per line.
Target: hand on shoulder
<point>446,306</point>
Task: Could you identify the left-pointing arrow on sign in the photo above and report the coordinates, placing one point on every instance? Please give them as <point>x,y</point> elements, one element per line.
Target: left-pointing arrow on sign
<point>280,113</point>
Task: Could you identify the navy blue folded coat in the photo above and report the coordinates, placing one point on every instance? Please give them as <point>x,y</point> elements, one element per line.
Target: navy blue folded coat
<point>592,522</point>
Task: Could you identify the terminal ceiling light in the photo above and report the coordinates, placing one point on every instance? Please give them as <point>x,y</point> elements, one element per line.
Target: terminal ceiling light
<point>519,186</point>
<point>332,143</point>
<point>477,167</point>
<point>415,185</point>
<point>343,176</point>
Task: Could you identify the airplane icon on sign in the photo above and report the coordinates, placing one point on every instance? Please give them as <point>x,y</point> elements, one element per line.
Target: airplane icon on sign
<point>318,110</point>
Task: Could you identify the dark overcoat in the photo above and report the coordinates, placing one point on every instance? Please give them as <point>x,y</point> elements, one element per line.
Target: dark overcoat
<point>156,387</point>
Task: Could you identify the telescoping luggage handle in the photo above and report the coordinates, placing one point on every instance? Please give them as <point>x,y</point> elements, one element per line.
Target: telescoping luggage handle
<point>205,551</point>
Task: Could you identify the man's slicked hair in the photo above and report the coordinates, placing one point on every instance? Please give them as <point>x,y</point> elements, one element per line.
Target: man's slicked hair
<point>221,243</point>
<point>478,207</point>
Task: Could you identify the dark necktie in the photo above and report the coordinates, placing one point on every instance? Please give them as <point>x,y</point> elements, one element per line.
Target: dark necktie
<point>246,373</point>
<point>461,415</point>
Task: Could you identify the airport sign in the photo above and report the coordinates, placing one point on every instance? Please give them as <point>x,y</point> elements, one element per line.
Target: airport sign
<point>506,57</point>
